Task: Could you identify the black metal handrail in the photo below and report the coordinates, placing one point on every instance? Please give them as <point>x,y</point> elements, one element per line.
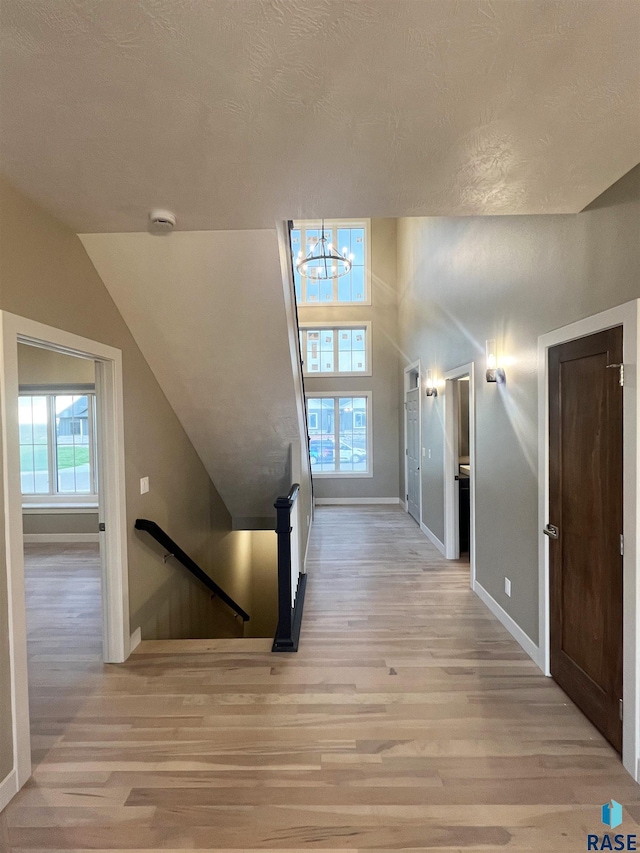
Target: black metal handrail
<point>289,617</point>
<point>174,550</point>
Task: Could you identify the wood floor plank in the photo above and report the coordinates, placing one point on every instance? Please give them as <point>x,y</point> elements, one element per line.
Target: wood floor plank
<point>408,721</point>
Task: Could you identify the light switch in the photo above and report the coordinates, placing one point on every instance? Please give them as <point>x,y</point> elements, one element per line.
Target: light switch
<point>144,485</point>
<point>424,452</point>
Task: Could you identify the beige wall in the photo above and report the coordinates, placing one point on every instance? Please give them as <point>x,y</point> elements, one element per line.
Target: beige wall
<point>462,281</point>
<point>46,275</point>
<point>37,366</point>
<point>59,523</point>
<point>383,383</point>
<point>264,584</point>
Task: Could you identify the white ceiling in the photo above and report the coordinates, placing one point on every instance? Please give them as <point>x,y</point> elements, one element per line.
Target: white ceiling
<point>237,113</point>
<point>207,311</point>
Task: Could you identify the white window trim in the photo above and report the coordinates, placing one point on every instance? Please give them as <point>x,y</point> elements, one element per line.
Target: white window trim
<point>342,223</point>
<point>67,498</point>
<point>329,326</point>
<point>349,475</point>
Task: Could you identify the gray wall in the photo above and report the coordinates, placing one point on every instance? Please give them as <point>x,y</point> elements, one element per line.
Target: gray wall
<point>383,383</point>
<point>462,281</point>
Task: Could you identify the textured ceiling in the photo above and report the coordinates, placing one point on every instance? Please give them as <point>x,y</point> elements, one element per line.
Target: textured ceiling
<point>236,113</point>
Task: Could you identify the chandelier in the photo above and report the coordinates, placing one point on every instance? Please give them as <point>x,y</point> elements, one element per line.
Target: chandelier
<point>324,261</point>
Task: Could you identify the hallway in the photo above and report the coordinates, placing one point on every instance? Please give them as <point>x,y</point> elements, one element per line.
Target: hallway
<point>409,720</point>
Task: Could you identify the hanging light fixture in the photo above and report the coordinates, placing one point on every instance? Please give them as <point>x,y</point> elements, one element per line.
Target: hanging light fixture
<point>324,261</point>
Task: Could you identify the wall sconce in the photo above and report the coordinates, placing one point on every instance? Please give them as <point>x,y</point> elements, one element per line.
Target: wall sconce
<point>430,385</point>
<point>494,373</point>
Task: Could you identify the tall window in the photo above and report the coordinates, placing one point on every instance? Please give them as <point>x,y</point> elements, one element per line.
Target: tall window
<point>57,451</point>
<point>339,441</point>
<point>349,289</point>
<point>336,350</point>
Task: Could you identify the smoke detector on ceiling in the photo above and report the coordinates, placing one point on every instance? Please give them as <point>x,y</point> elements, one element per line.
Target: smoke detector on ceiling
<point>161,222</point>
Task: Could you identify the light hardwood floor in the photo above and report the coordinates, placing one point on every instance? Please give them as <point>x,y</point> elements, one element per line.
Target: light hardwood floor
<point>409,720</point>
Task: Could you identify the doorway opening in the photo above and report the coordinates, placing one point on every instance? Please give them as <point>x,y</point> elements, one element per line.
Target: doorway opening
<point>59,479</point>
<point>63,451</point>
<point>464,469</point>
<point>460,466</point>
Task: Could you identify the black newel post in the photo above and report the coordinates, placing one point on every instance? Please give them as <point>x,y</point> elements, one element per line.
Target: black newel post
<point>289,618</point>
<point>283,640</point>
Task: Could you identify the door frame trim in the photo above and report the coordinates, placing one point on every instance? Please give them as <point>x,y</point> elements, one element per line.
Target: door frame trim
<point>409,369</point>
<point>451,520</point>
<point>627,316</point>
<point>115,585</point>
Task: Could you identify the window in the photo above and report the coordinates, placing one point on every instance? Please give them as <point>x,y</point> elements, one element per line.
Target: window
<point>339,441</point>
<point>349,289</point>
<point>57,453</point>
<point>336,350</point>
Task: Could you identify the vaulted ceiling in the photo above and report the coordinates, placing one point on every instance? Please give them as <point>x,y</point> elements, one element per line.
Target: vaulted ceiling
<point>237,114</point>
<point>207,310</point>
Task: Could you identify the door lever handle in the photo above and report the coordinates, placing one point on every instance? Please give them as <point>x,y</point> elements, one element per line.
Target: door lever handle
<point>551,531</point>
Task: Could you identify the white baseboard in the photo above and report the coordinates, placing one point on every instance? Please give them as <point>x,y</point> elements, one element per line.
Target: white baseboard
<point>136,639</point>
<point>8,789</point>
<point>44,538</point>
<point>362,501</point>
<point>512,627</point>
<point>403,504</point>
<point>432,537</point>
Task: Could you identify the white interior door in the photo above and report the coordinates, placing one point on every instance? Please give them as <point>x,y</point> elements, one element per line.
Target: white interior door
<point>413,454</point>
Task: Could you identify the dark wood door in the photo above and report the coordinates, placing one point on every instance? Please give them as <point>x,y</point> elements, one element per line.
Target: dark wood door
<point>585,504</point>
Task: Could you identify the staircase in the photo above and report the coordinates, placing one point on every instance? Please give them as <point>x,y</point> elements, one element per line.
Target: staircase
<point>225,351</point>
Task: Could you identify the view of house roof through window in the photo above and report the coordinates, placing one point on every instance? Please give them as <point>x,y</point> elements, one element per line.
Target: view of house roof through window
<point>57,451</point>
<point>336,350</point>
<point>351,239</point>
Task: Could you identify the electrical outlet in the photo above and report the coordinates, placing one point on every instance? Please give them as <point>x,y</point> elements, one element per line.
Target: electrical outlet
<point>507,587</point>
<point>144,485</point>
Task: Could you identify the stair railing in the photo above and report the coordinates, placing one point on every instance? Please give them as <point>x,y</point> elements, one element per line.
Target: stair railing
<point>300,353</point>
<point>291,581</point>
<point>175,551</point>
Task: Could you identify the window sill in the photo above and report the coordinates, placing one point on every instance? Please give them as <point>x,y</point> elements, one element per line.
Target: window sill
<point>358,304</point>
<point>341,475</point>
<point>58,508</point>
<point>322,375</point>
